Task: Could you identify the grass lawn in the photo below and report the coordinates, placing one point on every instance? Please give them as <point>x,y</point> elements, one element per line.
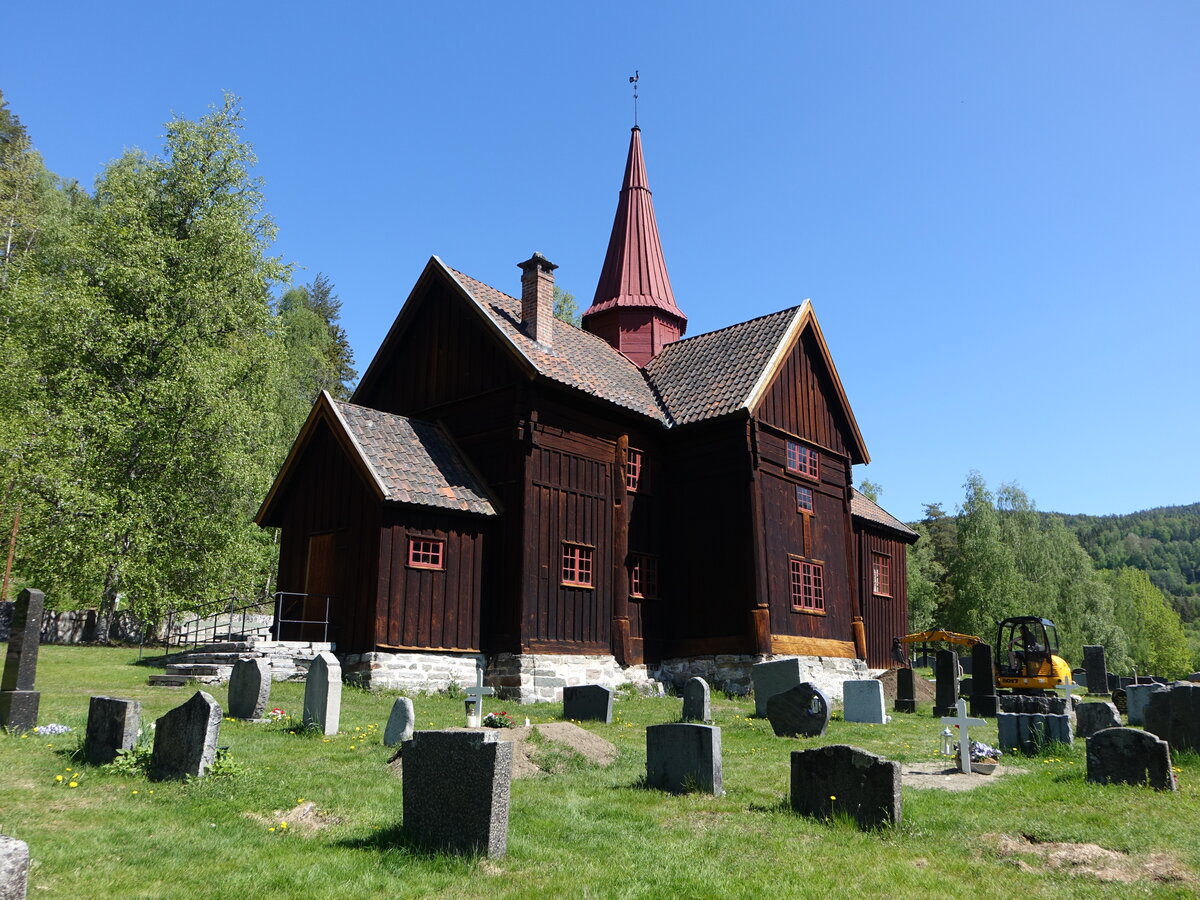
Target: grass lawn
<point>590,832</point>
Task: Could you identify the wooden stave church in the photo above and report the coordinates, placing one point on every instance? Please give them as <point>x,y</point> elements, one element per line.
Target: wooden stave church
<point>565,505</point>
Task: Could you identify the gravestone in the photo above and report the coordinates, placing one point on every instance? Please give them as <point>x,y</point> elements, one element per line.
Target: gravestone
<point>249,688</point>
<point>14,868</point>
<point>456,791</point>
<point>697,705</point>
<point>1029,732</point>
<point>862,701</point>
<point>185,739</point>
<point>400,723</point>
<point>840,779</point>
<point>1021,703</point>
<point>1097,670</point>
<point>983,699</point>
<point>1129,756</point>
<point>323,693</point>
<point>1173,714</point>
<point>906,692</point>
<point>1136,698</point>
<point>112,725</point>
<point>682,757</point>
<point>800,711</point>
<point>961,721</point>
<point>1093,717</point>
<point>946,674</point>
<point>771,678</point>
<point>588,703</point>
<point>18,700</point>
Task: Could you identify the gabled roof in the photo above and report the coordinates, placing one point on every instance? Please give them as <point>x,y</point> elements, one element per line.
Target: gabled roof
<point>861,507</point>
<point>403,460</point>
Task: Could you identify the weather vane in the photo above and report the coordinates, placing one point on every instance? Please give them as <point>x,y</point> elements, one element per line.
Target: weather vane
<point>633,79</point>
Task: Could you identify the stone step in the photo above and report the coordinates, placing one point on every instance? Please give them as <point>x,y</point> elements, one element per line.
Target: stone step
<point>168,680</point>
<point>214,659</point>
<point>199,669</point>
<point>224,647</point>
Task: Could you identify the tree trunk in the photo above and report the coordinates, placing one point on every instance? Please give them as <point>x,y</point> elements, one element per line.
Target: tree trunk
<point>108,603</point>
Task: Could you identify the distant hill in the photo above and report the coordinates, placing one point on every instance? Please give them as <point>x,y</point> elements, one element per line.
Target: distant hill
<point>1163,542</point>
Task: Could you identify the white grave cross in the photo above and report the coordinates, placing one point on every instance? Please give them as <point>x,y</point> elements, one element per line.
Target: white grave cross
<point>475,695</point>
<point>1067,690</point>
<point>962,723</point>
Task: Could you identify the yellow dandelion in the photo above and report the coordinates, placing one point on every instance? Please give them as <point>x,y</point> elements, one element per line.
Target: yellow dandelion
<point>58,778</point>
<point>133,792</point>
<point>299,799</point>
<point>272,828</point>
<point>351,746</point>
<point>833,796</point>
<point>73,784</point>
<point>283,824</point>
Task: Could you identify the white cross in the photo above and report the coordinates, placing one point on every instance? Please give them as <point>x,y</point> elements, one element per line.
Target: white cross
<point>1067,690</point>
<point>962,723</point>
<point>477,692</point>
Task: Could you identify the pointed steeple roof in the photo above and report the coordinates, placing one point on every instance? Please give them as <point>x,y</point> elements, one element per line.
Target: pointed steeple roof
<point>635,271</point>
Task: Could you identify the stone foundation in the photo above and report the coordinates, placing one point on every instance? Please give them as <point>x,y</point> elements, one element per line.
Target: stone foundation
<point>731,672</point>
<point>541,677</point>
<point>413,672</point>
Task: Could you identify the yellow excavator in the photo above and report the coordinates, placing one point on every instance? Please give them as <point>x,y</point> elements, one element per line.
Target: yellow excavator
<point>1026,653</point>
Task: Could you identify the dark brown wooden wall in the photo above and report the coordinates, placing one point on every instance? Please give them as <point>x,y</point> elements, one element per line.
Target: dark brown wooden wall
<point>884,617</point>
<point>800,399</point>
<point>327,495</point>
<point>428,608</point>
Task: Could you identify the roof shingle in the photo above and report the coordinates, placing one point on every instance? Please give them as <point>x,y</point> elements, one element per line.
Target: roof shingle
<point>864,508</point>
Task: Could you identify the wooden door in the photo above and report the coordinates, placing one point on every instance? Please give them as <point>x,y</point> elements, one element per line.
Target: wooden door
<point>320,585</point>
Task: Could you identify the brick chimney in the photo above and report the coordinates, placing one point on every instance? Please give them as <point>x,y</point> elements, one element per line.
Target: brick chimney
<point>537,298</point>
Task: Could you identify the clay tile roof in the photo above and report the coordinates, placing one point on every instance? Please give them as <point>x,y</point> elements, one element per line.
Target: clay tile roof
<point>414,461</point>
<point>863,508</point>
<point>714,374</point>
<point>577,358</point>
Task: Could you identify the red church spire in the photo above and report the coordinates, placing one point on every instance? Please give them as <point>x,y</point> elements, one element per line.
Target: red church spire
<point>634,308</point>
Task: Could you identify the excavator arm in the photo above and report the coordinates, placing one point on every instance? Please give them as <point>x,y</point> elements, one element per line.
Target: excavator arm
<point>928,637</point>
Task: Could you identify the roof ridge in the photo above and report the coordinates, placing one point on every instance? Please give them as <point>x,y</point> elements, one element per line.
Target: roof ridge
<point>786,309</point>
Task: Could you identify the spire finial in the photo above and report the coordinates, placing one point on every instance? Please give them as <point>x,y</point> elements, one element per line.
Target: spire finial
<point>633,79</point>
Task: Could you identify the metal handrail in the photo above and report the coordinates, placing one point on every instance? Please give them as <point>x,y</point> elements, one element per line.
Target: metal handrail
<point>292,596</point>
<point>223,614</point>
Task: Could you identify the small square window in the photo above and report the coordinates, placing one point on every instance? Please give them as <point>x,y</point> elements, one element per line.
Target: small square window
<point>802,460</point>
<point>634,461</point>
<point>808,585</point>
<point>426,554</point>
<point>643,577</point>
<point>881,574</point>
<point>577,565</point>
<point>804,498</point>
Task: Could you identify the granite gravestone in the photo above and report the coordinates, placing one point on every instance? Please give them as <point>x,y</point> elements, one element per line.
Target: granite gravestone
<point>185,739</point>
<point>682,757</point>
<point>1093,717</point>
<point>323,693</point>
<point>400,723</point>
<point>946,684</point>
<point>249,689</point>
<point>906,692</point>
<point>843,779</point>
<point>14,868</point>
<point>1097,670</point>
<point>1136,698</point>
<point>1173,714</point>
<point>800,711</point>
<point>771,678</point>
<point>112,726</point>
<point>588,703</point>
<point>697,705</point>
<point>862,701</point>
<point>18,699</point>
<point>456,791</point>
<point>1022,703</point>
<point>982,699</point>
<point>1029,732</point>
<point>1129,756</point>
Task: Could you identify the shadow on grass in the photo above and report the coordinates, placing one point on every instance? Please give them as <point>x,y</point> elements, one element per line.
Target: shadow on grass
<point>394,839</point>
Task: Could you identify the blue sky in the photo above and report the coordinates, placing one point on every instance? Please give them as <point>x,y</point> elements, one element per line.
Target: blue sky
<point>995,208</point>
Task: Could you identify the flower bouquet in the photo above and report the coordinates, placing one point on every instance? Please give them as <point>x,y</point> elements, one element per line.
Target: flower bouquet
<point>984,759</point>
<point>498,720</point>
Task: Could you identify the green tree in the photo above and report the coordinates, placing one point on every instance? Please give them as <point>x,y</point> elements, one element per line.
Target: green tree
<point>983,572</point>
<point>926,578</point>
<point>318,355</point>
<point>1158,644</point>
<point>565,307</point>
<point>870,489</point>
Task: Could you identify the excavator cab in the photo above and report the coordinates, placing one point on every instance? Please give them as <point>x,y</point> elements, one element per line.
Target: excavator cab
<point>1027,657</point>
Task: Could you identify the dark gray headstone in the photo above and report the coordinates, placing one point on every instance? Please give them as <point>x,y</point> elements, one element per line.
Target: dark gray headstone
<point>112,725</point>
<point>1136,698</point>
<point>1173,714</point>
<point>14,868</point>
<point>983,699</point>
<point>323,693</point>
<point>400,723</point>
<point>249,688</point>
<point>800,711</point>
<point>840,779</point>
<point>862,701</point>
<point>946,683</point>
<point>1097,670</point>
<point>18,700</point>
<point>906,692</point>
<point>697,705</point>
<point>1022,703</point>
<point>588,703</point>
<point>771,678</point>
<point>1129,756</point>
<point>682,757</point>
<point>1093,717</point>
<point>1029,732</point>
<point>185,739</point>
<point>1195,676</point>
<point>456,789</point>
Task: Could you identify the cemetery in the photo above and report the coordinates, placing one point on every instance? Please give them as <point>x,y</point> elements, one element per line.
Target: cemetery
<point>313,789</point>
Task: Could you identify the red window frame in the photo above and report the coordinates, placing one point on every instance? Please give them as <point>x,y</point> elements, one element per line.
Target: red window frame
<point>807,584</point>
<point>803,460</point>
<point>804,499</point>
<point>634,465</point>
<point>426,553</point>
<point>881,574</point>
<point>577,565</point>
<point>643,576</point>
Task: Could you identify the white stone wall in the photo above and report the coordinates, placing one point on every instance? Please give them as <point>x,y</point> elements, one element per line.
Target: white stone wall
<point>731,672</point>
<point>541,677</point>
<point>413,671</point>
<point>289,659</point>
